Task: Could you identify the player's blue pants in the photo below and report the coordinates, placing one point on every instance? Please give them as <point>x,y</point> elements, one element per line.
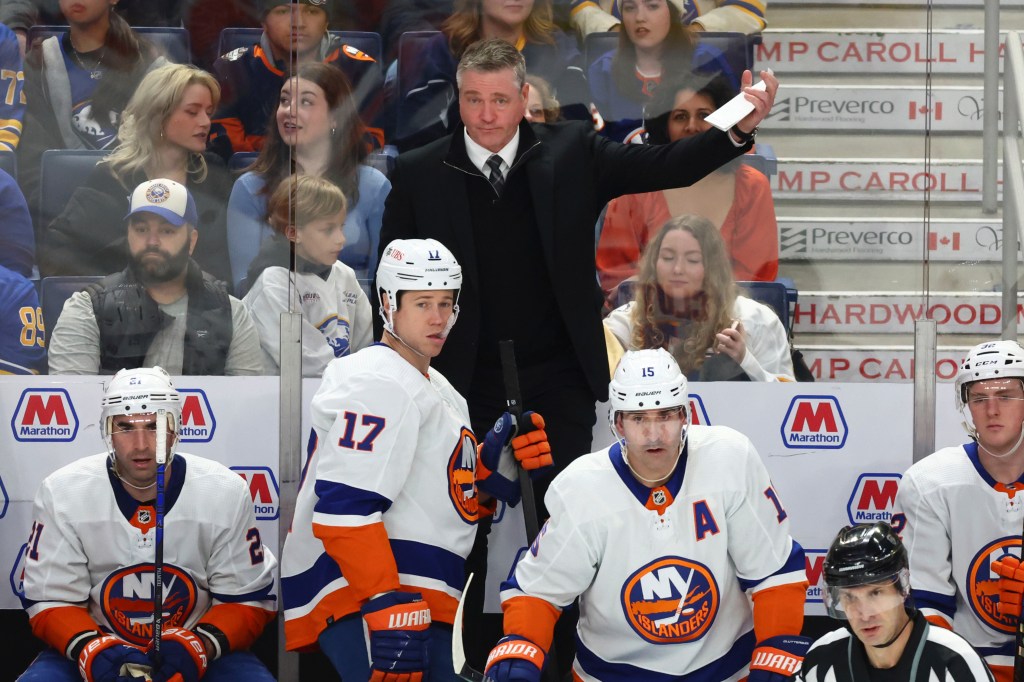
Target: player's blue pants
<point>345,646</point>
<point>239,666</point>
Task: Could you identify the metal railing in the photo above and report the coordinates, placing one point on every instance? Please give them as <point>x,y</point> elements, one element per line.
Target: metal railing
<point>1013,176</point>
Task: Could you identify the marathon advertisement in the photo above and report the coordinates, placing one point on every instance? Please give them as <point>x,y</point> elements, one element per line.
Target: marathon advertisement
<point>865,51</point>
<point>878,364</point>
<point>876,108</point>
<point>877,312</point>
<point>892,239</point>
<point>879,180</point>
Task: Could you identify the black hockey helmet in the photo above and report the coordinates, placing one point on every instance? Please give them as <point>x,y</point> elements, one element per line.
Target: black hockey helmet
<point>865,554</point>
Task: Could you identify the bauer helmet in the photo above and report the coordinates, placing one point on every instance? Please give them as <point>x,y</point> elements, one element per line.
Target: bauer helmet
<point>140,391</point>
<point>417,265</point>
<point>647,379</point>
<point>865,554</point>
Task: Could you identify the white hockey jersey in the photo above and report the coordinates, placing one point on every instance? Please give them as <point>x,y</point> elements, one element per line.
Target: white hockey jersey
<point>336,315</point>
<point>663,574</point>
<point>956,520</point>
<point>388,497</point>
<point>92,544</point>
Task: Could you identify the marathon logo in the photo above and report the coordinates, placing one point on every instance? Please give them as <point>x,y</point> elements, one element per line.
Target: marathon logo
<point>698,414</point>
<point>263,488</point>
<point>816,421</point>
<point>814,563</point>
<point>198,423</point>
<point>873,498</point>
<point>45,415</point>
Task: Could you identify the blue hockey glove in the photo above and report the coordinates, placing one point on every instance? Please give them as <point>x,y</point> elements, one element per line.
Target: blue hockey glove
<point>183,657</point>
<point>102,659</point>
<point>514,659</point>
<point>399,626</point>
<point>503,446</point>
<point>777,659</point>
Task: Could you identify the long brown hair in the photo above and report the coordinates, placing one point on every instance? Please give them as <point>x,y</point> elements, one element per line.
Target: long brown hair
<point>275,161</point>
<point>677,55</point>
<point>464,26</point>
<point>711,311</point>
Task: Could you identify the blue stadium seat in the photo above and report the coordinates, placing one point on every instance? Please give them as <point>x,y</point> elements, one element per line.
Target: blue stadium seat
<point>367,41</point>
<point>737,47</point>
<point>241,160</point>
<point>9,163</point>
<point>61,172</point>
<point>174,41</point>
<point>423,112</point>
<point>56,290</point>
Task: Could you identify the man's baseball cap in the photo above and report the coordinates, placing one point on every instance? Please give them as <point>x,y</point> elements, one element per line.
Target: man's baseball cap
<point>267,5</point>
<point>167,199</point>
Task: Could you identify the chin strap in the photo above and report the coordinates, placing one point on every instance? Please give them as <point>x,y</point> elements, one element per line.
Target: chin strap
<point>649,481</point>
<point>896,636</point>
<point>113,467</point>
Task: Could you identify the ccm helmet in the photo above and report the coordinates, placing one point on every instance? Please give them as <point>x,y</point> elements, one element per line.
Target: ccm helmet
<point>991,360</point>
<point>865,554</point>
<point>417,265</point>
<point>140,391</point>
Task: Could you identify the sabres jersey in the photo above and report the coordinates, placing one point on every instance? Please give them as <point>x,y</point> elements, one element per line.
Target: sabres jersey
<point>336,315</point>
<point>92,544</point>
<point>955,521</point>
<point>22,337</point>
<point>388,495</point>
<point>663,574</point>
<point>12,77</point>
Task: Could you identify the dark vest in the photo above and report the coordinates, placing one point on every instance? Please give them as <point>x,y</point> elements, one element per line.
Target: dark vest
<point>129,319</point>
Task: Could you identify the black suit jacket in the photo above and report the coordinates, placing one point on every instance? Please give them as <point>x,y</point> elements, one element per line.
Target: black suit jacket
<point>572,173</point>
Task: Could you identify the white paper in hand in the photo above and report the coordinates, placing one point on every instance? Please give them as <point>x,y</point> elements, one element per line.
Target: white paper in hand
<point>733,111</point>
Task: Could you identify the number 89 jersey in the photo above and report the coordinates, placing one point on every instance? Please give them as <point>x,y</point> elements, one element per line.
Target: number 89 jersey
<point>388,496</point>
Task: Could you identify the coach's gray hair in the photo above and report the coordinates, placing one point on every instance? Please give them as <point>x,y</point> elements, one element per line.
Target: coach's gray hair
<point>490,55</point>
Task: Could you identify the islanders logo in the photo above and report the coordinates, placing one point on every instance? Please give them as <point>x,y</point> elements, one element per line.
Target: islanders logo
<point>127,599</point>
<point>462,477</point>
<point>983,584</point>
<point>671,600</point>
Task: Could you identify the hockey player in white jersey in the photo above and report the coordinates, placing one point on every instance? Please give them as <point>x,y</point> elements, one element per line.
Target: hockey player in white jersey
<point>960,510</point>
<point>665,537</point>
<point>867,585</point>
<point>89,565</point>
<point>388,505</point>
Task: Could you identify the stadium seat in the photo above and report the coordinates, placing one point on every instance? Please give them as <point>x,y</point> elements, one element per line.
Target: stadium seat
<point>174,41</point>
<point>737,47</point>
<point>61,172</point>
<point>56,290</point>
<point>234,38</point>
<point>427,110</point>
<point>9,163</point>
<point>241,160</point>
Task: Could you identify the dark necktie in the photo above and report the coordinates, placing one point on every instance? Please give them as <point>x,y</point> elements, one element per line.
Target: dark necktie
<point>496,179</point>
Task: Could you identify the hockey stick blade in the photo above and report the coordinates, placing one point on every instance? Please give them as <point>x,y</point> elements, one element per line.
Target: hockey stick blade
<point>463,670</point>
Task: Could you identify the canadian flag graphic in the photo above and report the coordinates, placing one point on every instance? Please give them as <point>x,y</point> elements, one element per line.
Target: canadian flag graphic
<point>921,109</point>
<point>946,242</point>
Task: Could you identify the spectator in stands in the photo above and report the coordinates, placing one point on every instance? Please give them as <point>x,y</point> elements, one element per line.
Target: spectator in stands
<point>294,33</point>
<point>78,84</point>
<point>736,198</point>
<point>401,16</point>
<point>160,310</point>
<point>22,336</point>
<point>528,26</point>
<point>308,212</point>
<point>162,135</point>
<point>320,133</point>
<point>12,107</point>
<point>654,42</point>
<point>21,15</point>
<point>541,105</point>
<point>685,301</point>
<point>740,16</point>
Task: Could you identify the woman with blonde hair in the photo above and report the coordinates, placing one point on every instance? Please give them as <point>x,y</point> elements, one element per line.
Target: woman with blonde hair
<point>686,301</point>
<point>162,135</point>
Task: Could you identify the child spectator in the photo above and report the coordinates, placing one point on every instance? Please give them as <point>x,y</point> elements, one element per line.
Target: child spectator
<point>308,213</point>
<point>739,16</point>
<point>685,301</point>
<point>541,105</point>
<point>736,198</point>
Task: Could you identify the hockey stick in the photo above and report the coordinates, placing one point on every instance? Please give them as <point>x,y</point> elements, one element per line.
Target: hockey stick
<point>462,669</point>
<point>158,537</point>
<point>674,618</point>
<point>514,400</point>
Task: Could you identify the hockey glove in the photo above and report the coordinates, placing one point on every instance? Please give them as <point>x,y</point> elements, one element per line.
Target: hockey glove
<point>1011,584</point>
<point>777,659</point>
<point>183,657</point>
<point>514,659</point>
<point>103,658</point>
<point>502,448</point>
<point>399,627</point>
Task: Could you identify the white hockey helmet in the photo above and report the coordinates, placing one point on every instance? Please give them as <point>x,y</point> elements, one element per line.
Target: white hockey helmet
<point>417,265</point>
<point>990,360</point>
<point>647,379</point>
<point>140,391</point>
